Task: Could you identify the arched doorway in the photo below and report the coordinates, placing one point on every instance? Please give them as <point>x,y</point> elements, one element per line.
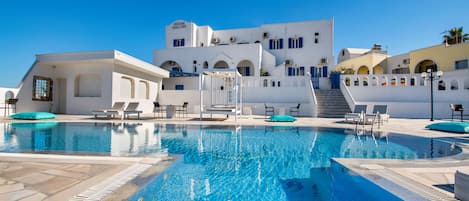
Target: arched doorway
<point>424,65</point>
<point>377,70</point>
<point>221,65</point>
<point>363,70</point>
<point>245,68</point>
<point>171,66</point>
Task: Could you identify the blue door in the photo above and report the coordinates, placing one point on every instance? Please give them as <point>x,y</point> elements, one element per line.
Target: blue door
<point>314,77</point>
<point>335,80</point>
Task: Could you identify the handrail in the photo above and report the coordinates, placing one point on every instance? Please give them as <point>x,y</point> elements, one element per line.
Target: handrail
<point>314,100</point>
<point>347,95</point>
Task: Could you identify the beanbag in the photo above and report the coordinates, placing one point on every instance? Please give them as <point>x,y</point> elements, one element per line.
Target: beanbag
<point>455,127</point>
<point>33,115</point>
<point>282,118</point>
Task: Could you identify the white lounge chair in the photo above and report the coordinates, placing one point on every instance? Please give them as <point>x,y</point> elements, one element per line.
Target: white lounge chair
<point>115,110</point>
<point>132,109</point>
<point>356,116</point>
<point>380,112</point>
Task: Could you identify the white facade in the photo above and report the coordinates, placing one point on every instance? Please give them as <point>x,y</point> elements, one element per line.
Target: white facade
<point>271,47</point>
<point>78,83</point>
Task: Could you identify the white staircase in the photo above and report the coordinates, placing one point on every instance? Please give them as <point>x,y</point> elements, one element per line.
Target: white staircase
<point>331,103</point>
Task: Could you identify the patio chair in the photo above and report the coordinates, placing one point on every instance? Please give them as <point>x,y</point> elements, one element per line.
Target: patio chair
<point>356,116</point>
<point>132,109</point>
<point>456,108</point>
<point>115,110</point>
<point>380,112</point>
<point>158,109</point>
<point>295,110</point>
<point>269,110</point>
<point>182,109</point>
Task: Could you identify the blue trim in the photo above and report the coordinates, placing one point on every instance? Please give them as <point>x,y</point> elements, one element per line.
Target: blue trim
<point>248,71</point>
<point>281,43</point>
<point>179,87</point>
<point>290,71</point>
<point>182,42</point>
<point>174,43</point>
<point>289,42</point>
<point>324,71</point>
<point>270,43</point>
<point>300,41</point>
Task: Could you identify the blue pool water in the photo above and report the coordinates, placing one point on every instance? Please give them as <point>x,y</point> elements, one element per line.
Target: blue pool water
<point>233,163</point>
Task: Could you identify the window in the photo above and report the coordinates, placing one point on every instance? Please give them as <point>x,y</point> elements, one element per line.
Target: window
<point>264,83</point>
<point>178,42</point>
<point>205,65</point>
<point>296,71</point>
<point>276,44</point>
<point>179,87</point>
<point>295,42</point>
<point>316,37</point>
<point>461,64</point>
<point>42,88</point>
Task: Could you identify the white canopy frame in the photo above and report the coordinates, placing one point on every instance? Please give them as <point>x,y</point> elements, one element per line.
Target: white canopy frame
<point>234,88</point>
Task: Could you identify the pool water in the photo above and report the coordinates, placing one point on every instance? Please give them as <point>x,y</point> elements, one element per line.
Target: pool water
<point>232,162</point>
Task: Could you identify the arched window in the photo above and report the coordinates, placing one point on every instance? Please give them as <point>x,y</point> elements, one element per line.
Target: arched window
<point>363,70</point>
<point>265,83</point>
<point>454,85</point>
<point>347,81</point>
<point>127,87</point>
<point>384,81</point>
<point>403,82</point>
<point>424,65</point>
<point>365,81</point>
<point>88,85</point>
<point>412,81</point>
<point>441,85</point>
<point>374,81</point>
<point>143,90</point>
<point>221,65</point>
<point>393,81</point>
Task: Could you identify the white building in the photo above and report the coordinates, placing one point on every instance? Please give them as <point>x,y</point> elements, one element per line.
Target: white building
<point>277,61</point>
<point>77,83</point>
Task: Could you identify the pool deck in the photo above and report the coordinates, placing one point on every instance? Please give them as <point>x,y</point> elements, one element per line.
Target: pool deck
<point>57,177</point>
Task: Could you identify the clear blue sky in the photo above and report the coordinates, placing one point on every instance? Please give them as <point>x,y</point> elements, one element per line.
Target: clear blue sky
<point>137,27</point>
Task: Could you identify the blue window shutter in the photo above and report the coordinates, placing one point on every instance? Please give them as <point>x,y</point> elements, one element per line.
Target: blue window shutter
<point>174,43</point>
<point>248,71</point>
<point>289,42</point>
<point>290,71</point>
<point>182,42</point>
<point>270,43</point>
<point>302,70</point>
<point>300,41</point>
<point>324,71</point>
<point>281,43</point>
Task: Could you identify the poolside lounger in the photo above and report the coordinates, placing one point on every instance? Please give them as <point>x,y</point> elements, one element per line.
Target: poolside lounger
<point>116,108</point>
<point>356,116</point>
<point>380,112</point>
<point>132,109</point>
<point>269,110</point>
<point>295,109</point>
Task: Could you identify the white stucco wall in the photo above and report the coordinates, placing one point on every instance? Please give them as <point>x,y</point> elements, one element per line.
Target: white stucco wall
<point>409,101</point>
<point>3,93</point>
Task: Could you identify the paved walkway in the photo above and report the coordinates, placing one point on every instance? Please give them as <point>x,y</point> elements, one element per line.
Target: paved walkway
<point>36,179</point>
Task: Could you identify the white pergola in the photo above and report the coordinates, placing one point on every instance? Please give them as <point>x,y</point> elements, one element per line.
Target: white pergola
<point>231,86</point>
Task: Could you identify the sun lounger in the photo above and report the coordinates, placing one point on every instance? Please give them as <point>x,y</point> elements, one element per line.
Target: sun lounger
<point>132,109</point>
<point>115,110</point>
<point>356,116</point>
<point>380,112</point>
<point>461,185</point>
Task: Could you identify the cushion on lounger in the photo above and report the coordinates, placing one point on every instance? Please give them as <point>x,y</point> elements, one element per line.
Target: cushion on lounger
<point>33,115</point>
<point>456,127</point>
<point>282,118</point>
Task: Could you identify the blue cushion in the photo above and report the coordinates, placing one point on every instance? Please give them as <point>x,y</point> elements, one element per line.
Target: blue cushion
<point>455,127</point>
<point>282,118</point>
<point>33,115</point>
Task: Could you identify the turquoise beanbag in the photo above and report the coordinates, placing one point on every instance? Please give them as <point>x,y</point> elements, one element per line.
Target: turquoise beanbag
<point>282,118</point>
<point>33,115</point>
<point>455,127</point>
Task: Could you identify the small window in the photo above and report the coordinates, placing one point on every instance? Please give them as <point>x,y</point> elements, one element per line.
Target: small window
<point>347,81</point>
<point>365,81</point>
<point>205,65</point>
<point>412,81</point>
<point>42,88</point>
<point>278,84</point>
<point>356,82</point>
<point>273,83</point>
<point>461,64</point>
<point>178,42</point>
<point>296,42</point>
<point>275,44</point>
<point>441,85</point>
<point>403,82</point>
<point>179,87</point>
<point>316,37</point>
<point>265,83</point>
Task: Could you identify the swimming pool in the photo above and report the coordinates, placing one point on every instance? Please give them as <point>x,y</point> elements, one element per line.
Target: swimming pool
<point>232,162</point>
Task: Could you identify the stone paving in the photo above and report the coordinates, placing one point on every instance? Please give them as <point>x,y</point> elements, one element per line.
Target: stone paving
<point>27,179</point>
